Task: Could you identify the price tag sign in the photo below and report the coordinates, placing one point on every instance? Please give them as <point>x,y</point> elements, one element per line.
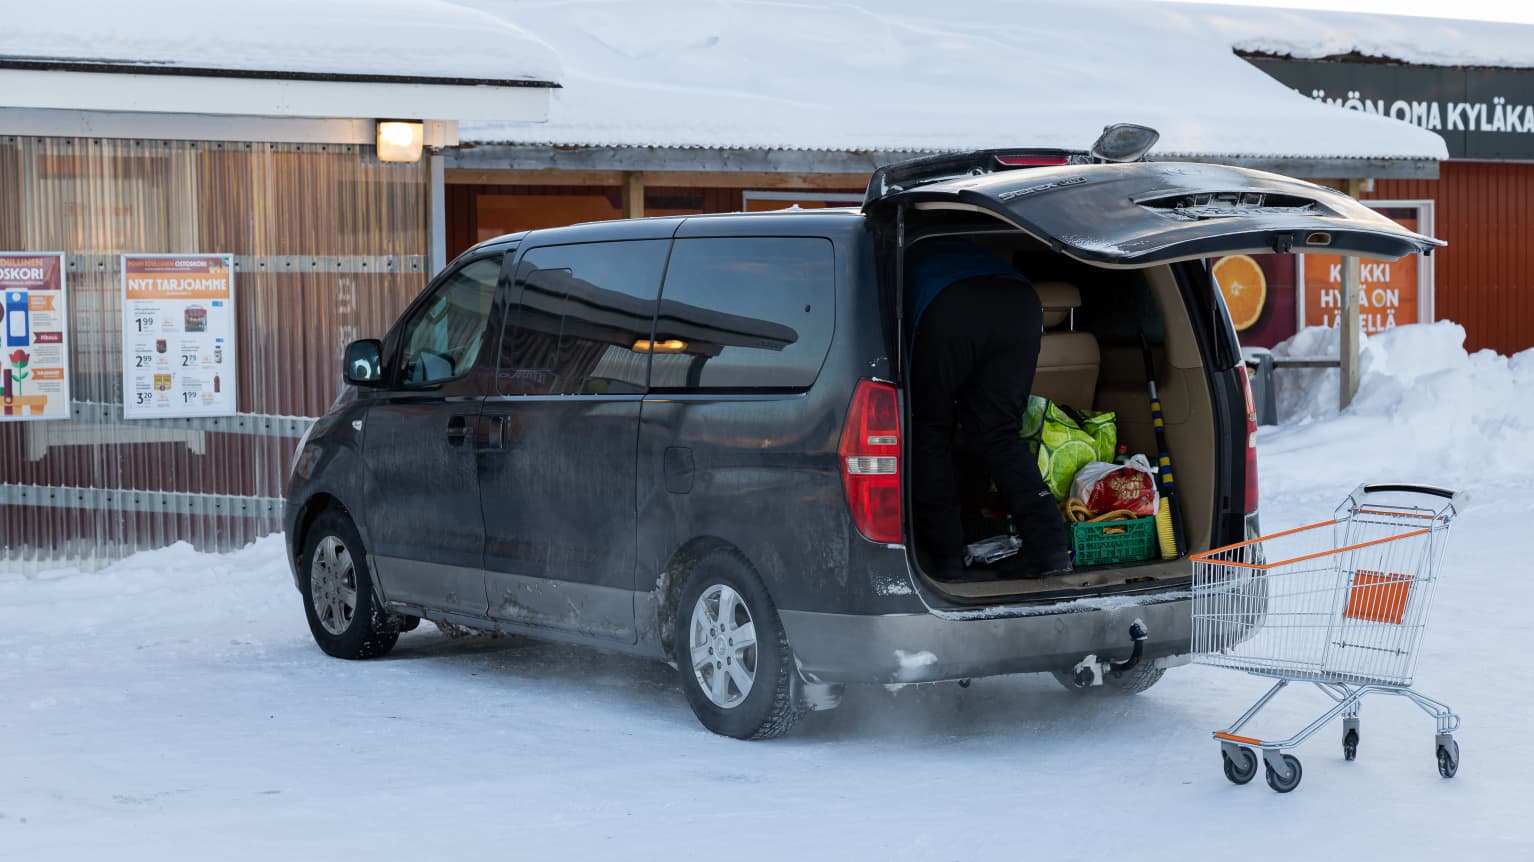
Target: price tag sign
<point>178,335</point>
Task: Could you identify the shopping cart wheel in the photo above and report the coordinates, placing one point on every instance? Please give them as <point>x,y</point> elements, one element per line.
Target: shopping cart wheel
<point>1350,745</point>
<point>1448,758</point>
<point>1240,767</point>
<point>1284,784</point>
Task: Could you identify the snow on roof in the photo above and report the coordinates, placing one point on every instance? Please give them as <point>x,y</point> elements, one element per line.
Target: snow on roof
<point>912,75</point>
<point>390,38</point>
<point>1308,34</point>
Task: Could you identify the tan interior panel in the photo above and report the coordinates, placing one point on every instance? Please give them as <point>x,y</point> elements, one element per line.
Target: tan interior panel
<point>1187,410</point>
<point>1184,384</point>
<point>1067,372</point>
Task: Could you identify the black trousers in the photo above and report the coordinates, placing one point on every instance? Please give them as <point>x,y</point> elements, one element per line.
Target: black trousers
<point>976,351</point>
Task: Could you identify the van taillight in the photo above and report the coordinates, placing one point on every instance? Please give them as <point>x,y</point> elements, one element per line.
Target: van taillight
<point>870,461</point>
<point>1251,442</point>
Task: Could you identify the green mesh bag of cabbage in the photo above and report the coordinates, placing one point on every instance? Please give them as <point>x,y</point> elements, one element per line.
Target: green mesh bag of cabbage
<point>1066,439</point>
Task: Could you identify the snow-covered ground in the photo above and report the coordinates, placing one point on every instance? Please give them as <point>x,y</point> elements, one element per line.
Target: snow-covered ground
<point>173,707</point>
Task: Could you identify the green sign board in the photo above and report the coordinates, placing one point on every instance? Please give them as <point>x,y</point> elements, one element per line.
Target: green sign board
<point>1480,113</point>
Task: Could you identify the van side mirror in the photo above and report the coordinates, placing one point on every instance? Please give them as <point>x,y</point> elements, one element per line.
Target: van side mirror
<point>363,363</point>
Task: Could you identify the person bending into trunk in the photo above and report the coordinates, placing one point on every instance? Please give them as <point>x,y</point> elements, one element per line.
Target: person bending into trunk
<point>977,327</point>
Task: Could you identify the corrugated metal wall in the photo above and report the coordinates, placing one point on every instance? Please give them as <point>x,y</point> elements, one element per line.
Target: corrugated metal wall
<point>329,245</point>
<point>1485,278</point>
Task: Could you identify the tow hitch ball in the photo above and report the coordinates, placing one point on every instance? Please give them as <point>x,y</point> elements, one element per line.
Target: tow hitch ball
<point>1090,671</point>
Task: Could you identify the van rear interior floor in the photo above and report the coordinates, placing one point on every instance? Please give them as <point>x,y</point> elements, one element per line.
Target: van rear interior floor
<point>1088,578</point>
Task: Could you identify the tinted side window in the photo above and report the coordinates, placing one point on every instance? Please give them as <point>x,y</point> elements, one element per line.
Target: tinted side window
<point>745,313</point>
<point>443,339</point>
<point>582,319</point>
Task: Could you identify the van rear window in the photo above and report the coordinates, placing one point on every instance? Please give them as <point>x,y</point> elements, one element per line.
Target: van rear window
<point>744,313</point>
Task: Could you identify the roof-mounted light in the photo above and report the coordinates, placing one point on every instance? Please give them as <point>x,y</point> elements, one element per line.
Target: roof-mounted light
<point>1124,142</point>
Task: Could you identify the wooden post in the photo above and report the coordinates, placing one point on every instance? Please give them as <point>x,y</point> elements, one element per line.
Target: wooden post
<point>633,194</point>
<point>1349,323</point>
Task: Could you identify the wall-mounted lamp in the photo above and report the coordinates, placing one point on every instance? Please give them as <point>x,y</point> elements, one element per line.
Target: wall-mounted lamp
<point>670,345</point>
<point>400,140</point>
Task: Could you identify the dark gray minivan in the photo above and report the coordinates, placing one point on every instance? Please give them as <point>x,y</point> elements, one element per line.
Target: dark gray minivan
<point>684,437</point>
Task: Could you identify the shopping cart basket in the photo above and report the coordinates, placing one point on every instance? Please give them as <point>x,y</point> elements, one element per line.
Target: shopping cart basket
<point>1341,604</point>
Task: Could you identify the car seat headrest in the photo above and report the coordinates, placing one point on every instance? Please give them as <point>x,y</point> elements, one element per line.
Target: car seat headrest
<point>1059,298</point>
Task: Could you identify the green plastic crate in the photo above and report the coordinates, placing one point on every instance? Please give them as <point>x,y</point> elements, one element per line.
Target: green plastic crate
<point>1108,542</point>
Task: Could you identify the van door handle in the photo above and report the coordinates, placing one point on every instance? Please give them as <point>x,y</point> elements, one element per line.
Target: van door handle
<point>457,430</point>
<point>495,434</point>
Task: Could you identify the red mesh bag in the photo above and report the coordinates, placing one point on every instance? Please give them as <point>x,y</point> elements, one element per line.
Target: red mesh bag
<point>1105,487</point>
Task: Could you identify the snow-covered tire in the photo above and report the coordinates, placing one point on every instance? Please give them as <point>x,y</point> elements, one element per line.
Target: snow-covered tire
<point>1135,681</point>
<point>339,600</point>
<point>721,597</point>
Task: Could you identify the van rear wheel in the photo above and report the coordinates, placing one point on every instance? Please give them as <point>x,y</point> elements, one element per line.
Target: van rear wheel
<point>1135,681</point>
<point>731,652</point>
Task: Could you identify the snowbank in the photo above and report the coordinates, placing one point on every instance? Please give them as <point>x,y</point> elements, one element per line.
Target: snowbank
<point>1426,411</point>
<point>163,566</point>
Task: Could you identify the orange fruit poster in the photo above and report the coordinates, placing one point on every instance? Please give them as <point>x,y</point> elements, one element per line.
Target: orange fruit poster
<point>1245,288</point>
<point>1260,292</point>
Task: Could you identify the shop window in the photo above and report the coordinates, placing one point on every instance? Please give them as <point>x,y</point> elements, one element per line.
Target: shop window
<point>498,214</point>
<point>680,202</point>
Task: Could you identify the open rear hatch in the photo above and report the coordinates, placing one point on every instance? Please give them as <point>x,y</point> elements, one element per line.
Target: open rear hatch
<point>1138,215</point>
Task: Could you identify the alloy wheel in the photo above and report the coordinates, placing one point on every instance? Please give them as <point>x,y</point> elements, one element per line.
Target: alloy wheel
<point>333,585</point>
<point>722,645</point>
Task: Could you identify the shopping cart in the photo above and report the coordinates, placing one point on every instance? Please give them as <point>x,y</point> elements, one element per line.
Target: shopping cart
<point>1341,604</point>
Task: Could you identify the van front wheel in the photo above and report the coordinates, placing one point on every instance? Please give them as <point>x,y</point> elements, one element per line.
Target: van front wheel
<point>339,602</point>
<point>731,652</point>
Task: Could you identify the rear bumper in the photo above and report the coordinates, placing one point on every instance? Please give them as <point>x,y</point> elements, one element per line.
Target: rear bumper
<point>928,647</point>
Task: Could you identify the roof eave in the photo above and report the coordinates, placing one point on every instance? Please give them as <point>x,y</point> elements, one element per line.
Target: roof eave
<point>1321,167</point>
<point>128,67</point>
<point>570,156</point>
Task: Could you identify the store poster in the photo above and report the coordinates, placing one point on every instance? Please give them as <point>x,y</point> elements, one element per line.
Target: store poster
<point>1387,290</point>
<point>178,335</point>
<point>1259,292</point>
<point>34,336</point>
